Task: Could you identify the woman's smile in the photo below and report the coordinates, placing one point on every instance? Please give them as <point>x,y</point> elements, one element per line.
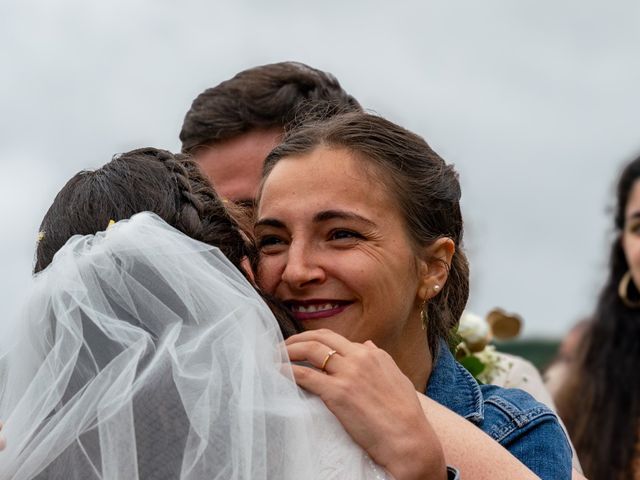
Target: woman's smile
<point>316,309</point>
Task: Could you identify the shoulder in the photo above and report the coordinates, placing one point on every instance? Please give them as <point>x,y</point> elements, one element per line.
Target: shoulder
<point>512,417</point>
<point>528,429</point>
<point>509,409</point>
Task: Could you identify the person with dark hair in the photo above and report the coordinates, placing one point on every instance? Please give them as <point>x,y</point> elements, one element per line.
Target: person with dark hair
<point>146,179</point>
<point>145,353</point>
<point>231,127</point>
<point>150,179</point>
<point>359,230</point>
<point>600,399</point>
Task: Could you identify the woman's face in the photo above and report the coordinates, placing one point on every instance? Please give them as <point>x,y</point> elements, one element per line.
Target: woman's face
<point>334,247</point>
<point>631,234</point>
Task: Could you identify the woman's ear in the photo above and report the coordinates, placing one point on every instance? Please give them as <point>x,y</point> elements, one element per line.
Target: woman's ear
<point>435,262</point>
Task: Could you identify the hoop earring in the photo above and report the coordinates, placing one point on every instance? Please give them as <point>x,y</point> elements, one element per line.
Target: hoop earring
<point>623,291</point>
<point>423,314</point>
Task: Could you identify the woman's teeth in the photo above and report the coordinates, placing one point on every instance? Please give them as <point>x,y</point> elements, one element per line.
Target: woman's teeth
<point>313,308</point>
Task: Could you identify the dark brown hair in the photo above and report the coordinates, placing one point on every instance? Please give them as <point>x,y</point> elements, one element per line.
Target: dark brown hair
<point>148,179</point>
<point>426,189</point>
<point>600,402</point>
<point>260,97</point>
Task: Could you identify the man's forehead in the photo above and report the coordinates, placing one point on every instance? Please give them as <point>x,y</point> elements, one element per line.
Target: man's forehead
<point>234,166</point>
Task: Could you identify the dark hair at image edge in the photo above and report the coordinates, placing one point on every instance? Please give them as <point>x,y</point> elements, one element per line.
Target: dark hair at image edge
<point>601,402</point>
<point>266,96</point>
<point>426,188</point>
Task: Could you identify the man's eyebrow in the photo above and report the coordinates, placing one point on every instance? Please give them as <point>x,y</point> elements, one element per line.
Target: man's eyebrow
<point>341,215</point>
<point>635,214</point>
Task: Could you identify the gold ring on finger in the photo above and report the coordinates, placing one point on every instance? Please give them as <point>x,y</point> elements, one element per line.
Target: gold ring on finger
<point>326,360</point>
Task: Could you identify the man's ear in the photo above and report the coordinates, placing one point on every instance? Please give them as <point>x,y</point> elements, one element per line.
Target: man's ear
<point>435,262</point>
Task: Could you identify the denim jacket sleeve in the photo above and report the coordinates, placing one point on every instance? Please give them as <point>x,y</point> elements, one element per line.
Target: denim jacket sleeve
<point>529,430</point>
<point>526,428</point>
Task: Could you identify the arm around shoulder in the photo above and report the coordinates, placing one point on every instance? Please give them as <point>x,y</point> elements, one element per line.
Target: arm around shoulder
<point>530,431</point>
<point>469,449</point>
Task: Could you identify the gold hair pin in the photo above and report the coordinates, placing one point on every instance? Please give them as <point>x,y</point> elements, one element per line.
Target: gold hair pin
<point>111,223</point>
<point>40,236</point>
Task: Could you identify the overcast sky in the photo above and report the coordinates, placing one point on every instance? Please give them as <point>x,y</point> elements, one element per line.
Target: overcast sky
<point>535,102</point>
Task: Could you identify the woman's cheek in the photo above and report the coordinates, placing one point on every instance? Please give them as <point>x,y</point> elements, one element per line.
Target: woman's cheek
<point>266,275</point>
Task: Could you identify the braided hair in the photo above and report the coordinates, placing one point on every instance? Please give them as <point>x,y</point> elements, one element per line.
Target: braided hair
<point>147,179</point>
<point>169,185</point>
<point>172,187</point>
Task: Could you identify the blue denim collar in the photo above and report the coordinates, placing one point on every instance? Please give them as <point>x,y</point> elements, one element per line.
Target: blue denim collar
<point>451,385</point>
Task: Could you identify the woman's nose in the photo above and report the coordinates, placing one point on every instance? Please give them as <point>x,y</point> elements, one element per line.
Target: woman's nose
<point>303,266</point>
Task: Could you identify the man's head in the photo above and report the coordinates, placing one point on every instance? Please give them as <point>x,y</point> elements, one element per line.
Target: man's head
<point>232,127</point>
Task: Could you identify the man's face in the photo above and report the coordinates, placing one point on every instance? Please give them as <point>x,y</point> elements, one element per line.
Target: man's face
<point>234,166</point>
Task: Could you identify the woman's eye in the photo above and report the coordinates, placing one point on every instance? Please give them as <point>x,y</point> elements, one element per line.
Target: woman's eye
<point>341,234</point>
<point>634,227</point>
<point>269,241</point>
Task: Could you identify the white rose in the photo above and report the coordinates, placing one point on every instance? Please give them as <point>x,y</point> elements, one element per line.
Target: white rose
<point>473,328</point>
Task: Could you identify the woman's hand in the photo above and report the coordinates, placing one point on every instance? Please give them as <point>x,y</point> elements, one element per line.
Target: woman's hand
<point>375,402</point>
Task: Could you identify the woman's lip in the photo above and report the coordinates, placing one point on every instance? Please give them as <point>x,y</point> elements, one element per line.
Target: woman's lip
<point>316,309</point>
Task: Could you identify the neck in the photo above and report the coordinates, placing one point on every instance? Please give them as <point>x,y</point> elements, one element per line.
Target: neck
<point>414,358</point>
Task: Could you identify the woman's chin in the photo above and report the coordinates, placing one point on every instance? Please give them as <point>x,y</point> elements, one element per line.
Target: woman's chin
<point>338,323</point>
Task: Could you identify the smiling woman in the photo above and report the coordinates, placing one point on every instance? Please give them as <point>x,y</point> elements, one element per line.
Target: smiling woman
<point>600,399</point>
<point>360,232</point>
<point>340,260</point>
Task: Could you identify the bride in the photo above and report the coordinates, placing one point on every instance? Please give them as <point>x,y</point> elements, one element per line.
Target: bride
<point>144,352</point>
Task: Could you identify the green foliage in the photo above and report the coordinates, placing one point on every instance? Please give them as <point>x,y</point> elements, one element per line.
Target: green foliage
<point>473,364</point>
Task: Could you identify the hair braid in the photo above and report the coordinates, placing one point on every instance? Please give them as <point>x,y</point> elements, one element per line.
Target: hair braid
<point>199,211</point>
<point>134,182</point>
<point>147,179</point>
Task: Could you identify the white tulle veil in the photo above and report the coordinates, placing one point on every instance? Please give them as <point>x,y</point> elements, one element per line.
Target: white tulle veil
<point>143,353</point>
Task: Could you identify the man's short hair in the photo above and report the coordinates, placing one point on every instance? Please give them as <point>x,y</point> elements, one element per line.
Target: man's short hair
<point>260,97</point>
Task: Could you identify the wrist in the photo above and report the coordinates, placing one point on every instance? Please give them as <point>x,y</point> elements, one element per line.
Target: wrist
<point>418,456</point>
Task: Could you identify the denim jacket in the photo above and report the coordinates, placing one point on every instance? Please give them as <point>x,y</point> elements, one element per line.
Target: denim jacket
<point>525,427</point>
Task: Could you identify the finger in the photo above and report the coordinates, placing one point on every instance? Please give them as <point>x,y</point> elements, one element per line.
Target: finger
<point>331,339</point>
<point>311,380</point>
<point>317,354</point>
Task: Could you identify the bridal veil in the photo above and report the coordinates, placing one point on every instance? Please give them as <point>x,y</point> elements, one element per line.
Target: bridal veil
<point>143,353</point>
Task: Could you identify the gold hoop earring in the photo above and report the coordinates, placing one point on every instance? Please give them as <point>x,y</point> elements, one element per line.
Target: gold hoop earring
<point>623,291</point>
<point>423,314</point>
